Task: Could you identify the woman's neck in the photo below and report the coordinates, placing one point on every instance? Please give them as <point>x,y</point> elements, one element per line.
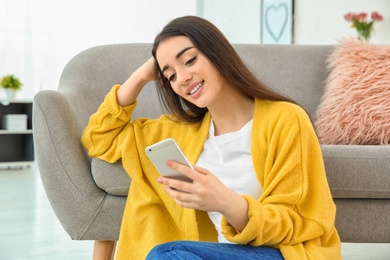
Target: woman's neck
<point>232,114</point>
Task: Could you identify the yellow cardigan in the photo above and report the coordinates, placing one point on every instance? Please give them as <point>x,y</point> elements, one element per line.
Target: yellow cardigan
<point>295,212</point>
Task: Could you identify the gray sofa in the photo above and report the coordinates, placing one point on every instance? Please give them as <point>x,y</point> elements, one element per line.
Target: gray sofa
<point>88,195</point>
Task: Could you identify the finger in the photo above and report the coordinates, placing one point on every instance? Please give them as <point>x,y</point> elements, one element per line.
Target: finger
<point>175,184</point>
<point>201,170</point>
<point>183,204</point>
<point>178,195</point>
<point>185,170</point>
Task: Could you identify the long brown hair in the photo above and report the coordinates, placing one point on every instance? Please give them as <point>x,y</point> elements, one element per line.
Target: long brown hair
<point>210,41</point>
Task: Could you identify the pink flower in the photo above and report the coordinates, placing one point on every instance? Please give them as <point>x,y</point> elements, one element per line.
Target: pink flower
<point>361,17</point>
<point>349,16</point>
<point>364,27</point>
<point>376,16</point>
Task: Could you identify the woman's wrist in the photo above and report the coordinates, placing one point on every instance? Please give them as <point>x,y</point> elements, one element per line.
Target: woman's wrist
<point>236,212</point>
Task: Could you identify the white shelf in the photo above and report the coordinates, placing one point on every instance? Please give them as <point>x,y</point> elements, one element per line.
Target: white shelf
<point>15,132</point>
<point>5,101</point>
<point>15,165</point>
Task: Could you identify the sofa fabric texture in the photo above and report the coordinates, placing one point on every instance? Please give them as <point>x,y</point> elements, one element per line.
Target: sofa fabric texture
<point>89,195</point>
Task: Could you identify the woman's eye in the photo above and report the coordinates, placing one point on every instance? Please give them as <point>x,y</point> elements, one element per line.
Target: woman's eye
<point>190,61</point>
<point>172,77</point>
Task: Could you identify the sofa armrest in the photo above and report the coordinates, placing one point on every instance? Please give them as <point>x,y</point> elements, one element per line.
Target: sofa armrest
<point>65,168</point>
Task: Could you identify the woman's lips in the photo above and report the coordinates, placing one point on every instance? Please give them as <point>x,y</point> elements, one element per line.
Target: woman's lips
<point>195,88</point>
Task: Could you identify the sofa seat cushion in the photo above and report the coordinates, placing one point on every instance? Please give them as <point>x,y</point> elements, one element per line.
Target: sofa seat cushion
<point>370,179</point>
<point>358,171</point>
<point>353,171</point>
<point>110,177</point>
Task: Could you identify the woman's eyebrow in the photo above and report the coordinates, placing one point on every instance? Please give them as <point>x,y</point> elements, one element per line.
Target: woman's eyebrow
<point>178,55</point>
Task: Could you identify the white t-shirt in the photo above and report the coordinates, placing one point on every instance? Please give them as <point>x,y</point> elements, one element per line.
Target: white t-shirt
<point>229,158</point>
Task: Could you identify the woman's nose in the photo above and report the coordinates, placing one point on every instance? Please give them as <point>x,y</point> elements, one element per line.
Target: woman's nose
<point>184,77</point>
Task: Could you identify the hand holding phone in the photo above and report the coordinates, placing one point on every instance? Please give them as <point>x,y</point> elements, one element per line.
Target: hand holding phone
<point>167,150</point>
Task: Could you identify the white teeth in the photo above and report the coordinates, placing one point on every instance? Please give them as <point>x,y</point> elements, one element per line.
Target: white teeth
<point>196,88</point>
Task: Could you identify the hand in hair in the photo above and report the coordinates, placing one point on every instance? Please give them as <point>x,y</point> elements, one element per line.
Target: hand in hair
<point>129,91</point>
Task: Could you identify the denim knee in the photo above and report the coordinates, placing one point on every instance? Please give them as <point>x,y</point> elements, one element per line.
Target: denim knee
<point>159,251</point>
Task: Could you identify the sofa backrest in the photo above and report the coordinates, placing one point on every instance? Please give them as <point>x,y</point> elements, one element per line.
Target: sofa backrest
<point>295,70</point>
<point>89,76</point>
<point>298,71</point>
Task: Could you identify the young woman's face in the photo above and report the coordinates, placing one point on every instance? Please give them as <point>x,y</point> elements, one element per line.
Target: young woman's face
<point>191,74</point>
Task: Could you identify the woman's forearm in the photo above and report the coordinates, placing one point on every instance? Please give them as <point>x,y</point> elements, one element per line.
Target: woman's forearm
<point>129,91</point>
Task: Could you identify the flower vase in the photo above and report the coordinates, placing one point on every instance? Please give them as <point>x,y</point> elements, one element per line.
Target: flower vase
<point>365,34</point>
<point>10,94</point>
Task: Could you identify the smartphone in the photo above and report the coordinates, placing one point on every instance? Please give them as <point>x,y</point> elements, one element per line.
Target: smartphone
<point>167,150</point>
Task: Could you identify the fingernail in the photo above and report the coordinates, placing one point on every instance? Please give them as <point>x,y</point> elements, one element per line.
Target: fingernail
<point>160,180</point>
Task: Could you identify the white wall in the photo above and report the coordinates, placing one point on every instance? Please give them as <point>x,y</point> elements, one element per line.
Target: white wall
<point>322,22</point>
<point>315,21</point>
<point>238,20</point>
<point>81,24</point>
<point>38,37</point>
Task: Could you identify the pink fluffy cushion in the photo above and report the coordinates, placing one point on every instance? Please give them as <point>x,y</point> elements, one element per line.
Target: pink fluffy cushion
<point>355,108</point>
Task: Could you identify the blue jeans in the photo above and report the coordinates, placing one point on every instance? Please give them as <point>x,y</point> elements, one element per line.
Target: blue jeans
<point>192,250</point>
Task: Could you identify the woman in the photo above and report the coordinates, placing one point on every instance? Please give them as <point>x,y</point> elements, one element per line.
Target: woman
<point>259,186</point>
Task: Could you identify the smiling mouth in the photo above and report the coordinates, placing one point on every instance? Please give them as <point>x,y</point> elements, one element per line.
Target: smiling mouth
<point>195,89</point>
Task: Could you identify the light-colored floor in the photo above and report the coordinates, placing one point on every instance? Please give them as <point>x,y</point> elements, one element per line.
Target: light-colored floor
<point>29,229</point>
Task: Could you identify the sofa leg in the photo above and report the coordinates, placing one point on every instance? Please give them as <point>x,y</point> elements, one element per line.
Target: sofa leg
<point>104,250</point>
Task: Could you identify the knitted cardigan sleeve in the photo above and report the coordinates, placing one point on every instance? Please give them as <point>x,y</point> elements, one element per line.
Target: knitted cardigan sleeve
<point>102,136</point>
